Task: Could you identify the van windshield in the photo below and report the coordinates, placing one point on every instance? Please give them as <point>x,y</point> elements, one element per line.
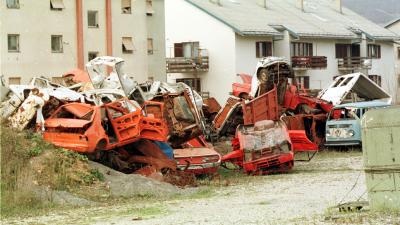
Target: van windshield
<point>346,113</point>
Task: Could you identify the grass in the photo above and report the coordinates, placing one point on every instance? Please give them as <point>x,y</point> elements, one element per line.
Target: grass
<point>29,163</point>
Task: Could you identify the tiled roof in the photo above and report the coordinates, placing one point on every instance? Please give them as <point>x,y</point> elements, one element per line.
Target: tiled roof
<point>319,18</point>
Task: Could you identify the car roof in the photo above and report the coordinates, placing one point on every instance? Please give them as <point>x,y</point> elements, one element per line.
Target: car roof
<point>363,104</point>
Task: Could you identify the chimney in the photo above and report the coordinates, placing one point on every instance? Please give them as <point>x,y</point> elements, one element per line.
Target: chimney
<point>217,2</point>
<point>301,5</point>
<point>263,3</point>
<point>338,5</point>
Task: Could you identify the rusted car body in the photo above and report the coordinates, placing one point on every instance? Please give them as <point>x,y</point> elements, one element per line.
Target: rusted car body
<point>242,90</point>
<point>228,118</point>
<point>210,108</point>
<point>262,149</point>
<point>199,160</point>
<point>198,157</point>
<point>86,128</point>
<point>183,121</point>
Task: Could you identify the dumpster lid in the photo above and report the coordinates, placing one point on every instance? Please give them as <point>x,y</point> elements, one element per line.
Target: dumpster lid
<point>384,117</point>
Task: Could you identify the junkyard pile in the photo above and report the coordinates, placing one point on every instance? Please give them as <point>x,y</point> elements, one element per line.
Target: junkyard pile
<point>160,130</point>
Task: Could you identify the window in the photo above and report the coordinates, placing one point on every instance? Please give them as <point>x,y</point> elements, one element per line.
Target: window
<point>126,6</point>
<point>150,46</point>
<point>347,50</point>
<point>149,7</point>
<point>263,49</point>
<point>56,5</point>
<point>301,49</point>
<point>56,43</point>
<point>92,55</point>
<point>93,20</point>
<point>14,80</point>
<point>376,78</point>
<point>13,42</point>
<point>398,52</point>
<point>303,82</point>
<point>192,82</point>
<point>374,51</point>
<point>127,45</point>
<point>13,4</point>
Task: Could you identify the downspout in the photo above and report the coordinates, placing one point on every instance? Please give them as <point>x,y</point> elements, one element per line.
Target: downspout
<point>79,34</point>
<point>108,28</point>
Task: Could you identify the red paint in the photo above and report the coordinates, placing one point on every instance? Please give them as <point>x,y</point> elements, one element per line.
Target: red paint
<point>264,107</point>
<point>86,134</point>
<point>79,35</point>
<point>108,28</point>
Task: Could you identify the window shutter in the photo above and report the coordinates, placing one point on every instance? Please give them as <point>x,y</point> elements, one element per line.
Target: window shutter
<point>258,49</point>
<point>178,50</point>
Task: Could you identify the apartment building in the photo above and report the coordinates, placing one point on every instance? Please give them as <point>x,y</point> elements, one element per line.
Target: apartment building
<point>50,37</point>
<point>394,26</point>
<point>218,39</point>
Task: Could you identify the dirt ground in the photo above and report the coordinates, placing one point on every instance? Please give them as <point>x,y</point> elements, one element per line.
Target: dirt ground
<point>303,196</point>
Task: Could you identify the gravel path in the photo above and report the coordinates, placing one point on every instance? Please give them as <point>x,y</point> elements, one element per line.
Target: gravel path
<point>300,197</point>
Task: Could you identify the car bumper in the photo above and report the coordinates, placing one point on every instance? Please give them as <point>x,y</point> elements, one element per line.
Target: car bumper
<point>343,143</point>
<point>197,169</point>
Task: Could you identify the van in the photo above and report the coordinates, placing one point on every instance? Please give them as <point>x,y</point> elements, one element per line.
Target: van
<point>343,126</point>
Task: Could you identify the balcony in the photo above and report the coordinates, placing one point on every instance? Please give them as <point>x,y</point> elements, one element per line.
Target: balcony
<point>309,62</point>
<point>187,65</point>
<point>354,63</point>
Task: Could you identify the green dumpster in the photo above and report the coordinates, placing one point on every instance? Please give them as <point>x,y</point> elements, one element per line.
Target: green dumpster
<point>381,150</point>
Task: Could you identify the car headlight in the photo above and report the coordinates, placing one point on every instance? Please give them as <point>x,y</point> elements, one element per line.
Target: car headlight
<point>350,133</point>
<point>328,133</point>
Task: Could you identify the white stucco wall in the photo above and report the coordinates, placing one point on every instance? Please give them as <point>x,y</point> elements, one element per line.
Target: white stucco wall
<point>186,23</point>
<point>246,59</point>
<point>396,29</point>
<point>35,23</point>
<point>321,78</point>
<point>385,67</point>
<point>131,25</point>
<point>94,38</point>
<point>156,31</point>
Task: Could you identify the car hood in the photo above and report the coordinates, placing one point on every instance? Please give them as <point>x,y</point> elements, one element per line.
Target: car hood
<point>65,123</point>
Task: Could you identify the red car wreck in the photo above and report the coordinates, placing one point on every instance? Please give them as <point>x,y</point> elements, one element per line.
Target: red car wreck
<point>85,128</point>
<point>271,97</point>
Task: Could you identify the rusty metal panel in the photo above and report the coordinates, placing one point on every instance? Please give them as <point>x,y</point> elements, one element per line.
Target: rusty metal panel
<point>222,115</point>
<point>264,107</point>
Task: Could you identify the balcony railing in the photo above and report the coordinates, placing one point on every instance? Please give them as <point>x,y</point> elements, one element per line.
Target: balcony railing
<point>309,62</point>
<point>186,65</point>
<point>354,63</point>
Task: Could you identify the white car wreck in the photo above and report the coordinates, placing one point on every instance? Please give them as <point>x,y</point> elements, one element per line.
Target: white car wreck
<point>355,87</point>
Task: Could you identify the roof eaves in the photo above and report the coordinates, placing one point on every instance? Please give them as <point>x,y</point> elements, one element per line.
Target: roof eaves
<point>392,22</point>
<point>261,33</point>
<point>237,30</point>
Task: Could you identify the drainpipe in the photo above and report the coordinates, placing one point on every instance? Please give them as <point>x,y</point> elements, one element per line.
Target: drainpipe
<point>108,28</point>
<point>79,34</point>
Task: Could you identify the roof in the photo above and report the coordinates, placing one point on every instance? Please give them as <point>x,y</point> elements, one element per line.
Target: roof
<point>380,12</point>
<point>392,22</point>
<point>364,104</point>
<point>319,19</point>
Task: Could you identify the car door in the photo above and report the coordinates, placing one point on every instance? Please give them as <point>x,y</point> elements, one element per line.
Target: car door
<point>125,119</point>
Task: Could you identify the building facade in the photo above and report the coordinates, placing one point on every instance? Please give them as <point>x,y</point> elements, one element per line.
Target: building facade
<point>50,37</point>
<point>320,38</point>
<point>394,26</point>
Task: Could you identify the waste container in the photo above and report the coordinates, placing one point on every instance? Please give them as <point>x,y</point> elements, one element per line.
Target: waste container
<point>381,151</point>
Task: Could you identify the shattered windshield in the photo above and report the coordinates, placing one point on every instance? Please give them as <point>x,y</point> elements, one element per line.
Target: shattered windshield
<point>347,113</point>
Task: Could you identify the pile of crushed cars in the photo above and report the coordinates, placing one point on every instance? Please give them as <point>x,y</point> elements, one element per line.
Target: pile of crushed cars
<point>156,128</point>
<point>272,118</point>
<point>149,129</point>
